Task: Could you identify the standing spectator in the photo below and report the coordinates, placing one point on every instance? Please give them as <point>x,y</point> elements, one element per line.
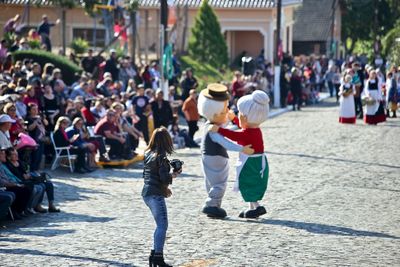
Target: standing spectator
<point>11,24</point>
<point>3,53</point>
<point>191,112</point>
<point>162,111</point>
<point>358,81</point>
<point>284,82</point>
<point>89,63</point>
<point>295,88</point>
<point>126,73</point>
<point>44,31</point>
<point>155,76</point>
<point>336,82</point>
<point>329,79</point>
<point>188,83</point>
<point>112,65</point>
<point>391,95</point>
<point>139,104</point>
<point>146,77</point>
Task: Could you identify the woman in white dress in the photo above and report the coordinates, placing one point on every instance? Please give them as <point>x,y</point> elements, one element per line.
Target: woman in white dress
<point>347,113</point>
<point>375,112</point>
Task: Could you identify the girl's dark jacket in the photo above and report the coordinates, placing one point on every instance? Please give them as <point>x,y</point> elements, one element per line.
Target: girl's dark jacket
<point>156,174</point>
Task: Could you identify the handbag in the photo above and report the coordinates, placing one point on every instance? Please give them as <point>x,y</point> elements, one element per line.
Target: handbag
<point>25,140</point>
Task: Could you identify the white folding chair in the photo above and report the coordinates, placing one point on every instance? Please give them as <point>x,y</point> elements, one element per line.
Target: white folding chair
<point>60,155</point>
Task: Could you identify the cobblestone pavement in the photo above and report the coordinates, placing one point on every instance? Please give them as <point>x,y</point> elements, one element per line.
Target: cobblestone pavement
<point>333,200</point>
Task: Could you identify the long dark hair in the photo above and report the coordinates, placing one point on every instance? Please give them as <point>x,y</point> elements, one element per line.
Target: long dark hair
<point>160,142</point>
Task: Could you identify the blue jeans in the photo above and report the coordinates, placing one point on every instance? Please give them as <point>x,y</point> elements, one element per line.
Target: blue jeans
<point>158,209</point>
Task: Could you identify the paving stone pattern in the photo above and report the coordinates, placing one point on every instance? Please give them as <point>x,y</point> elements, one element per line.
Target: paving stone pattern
<point>333,200</point>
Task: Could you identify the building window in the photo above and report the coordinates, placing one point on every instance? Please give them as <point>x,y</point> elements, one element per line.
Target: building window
<point>88,34</point>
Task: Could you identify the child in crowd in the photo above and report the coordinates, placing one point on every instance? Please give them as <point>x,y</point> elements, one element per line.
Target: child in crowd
<point>347,112</point>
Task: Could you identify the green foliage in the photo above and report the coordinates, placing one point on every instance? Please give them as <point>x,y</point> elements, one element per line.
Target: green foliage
<point>34,44</point>
<point>364,47</point>
<point>394,54</point>
<point>79,45</point>
<point>205,73</point>
<point>64,3</point>
<point>9,37</point>
<point>207,44</point>
<point>358,21</point>
<point>390,39</point>
<point>68,69</point>
<point>131,5</point>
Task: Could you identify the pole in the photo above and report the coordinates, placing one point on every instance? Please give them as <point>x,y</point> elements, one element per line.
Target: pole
<point>164,19</point>
<point>64,26</point>
<point>133,37</point>
<point>332,53</point>
<point>95,31</point>
<point>277,72</point>
<point>146,36</point>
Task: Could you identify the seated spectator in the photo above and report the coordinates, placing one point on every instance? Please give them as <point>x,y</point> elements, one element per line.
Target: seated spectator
<point>98,110</point>
<point>80,90</point>
<point>126,126</point>
<point>88,116</point>
<point>36,130</point>
<point>108,128</point>
<point>104,87</point>
<point>50,107</point>
<point>5,125</point>
<point>180,136</point>
<point>61,140</point>
<point>162,111</point>
<point>77,128</point>
<point>19,170</point>
<point>28,196</point>
<point>18,125</point>
<point>6,200</point>
<point>30,96</point>
<point>19,103</point>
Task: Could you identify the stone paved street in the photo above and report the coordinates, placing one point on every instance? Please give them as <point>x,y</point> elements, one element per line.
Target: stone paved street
<point>333,200</point>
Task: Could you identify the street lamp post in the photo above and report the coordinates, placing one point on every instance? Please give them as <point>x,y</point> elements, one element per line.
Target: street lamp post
<point>277,72</point>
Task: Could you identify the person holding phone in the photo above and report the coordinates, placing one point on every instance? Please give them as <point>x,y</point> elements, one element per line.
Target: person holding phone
<point>157,177</point>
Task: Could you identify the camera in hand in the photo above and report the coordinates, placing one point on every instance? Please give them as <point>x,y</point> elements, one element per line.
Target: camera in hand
<point>176,164</point>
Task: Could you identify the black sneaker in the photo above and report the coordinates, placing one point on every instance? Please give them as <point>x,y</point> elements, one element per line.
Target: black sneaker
<point>214,212</point>
<point>261,210</point>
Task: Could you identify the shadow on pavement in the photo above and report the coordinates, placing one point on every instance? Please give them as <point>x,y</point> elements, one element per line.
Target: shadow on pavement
<point>40,253</point>
<point>334,159</point>
<point>317,228</point>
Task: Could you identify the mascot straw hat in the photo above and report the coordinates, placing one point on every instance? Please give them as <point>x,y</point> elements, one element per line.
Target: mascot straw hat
<point>216,91</point>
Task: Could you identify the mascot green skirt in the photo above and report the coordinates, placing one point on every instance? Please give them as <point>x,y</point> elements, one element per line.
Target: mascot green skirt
<point>252,173</point>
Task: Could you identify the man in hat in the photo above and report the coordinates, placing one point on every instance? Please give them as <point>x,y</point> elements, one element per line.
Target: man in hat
<point>5,125</point>
<point>213,105</point>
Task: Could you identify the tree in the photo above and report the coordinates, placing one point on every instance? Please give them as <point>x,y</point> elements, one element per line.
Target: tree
<point>367,21</point>
<point>207,44</point>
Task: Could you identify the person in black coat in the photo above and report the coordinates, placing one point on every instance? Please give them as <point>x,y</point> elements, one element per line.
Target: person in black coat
<point>295,88</point>
<point>61,140</point>
<point>112,65</point>
<point>162,111</point>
